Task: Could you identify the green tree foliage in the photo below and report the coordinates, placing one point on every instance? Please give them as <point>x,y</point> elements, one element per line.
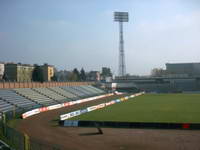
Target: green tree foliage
<point>5,77</point>
<point>83,75</point>
<point>77,74</point>
<point>54,78</point>
<point>37,75</point>
<point>106,72</point>
<point>158,72</point>
<point>74,75</point>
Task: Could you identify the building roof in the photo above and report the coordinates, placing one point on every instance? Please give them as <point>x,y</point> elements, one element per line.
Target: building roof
<point>182,63</point>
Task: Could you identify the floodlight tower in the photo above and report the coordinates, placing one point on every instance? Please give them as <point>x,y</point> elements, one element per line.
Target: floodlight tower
<point>121,17</point>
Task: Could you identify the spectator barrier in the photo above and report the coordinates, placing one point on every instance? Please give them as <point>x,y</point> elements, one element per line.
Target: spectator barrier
<point>114,124</point>
<point>140,125</point>
<point>18,140</point>
<point>11,85</point>
<point>4,146</point>
<point>92,108</point>
<point>52,107</point>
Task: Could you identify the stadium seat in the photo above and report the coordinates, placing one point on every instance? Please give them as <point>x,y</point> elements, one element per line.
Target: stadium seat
<point>51,94</point>
<point>33,95</point>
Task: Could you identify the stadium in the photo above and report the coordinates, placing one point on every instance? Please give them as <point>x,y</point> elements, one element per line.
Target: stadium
<point>79,115</point>
<point>61,88</point>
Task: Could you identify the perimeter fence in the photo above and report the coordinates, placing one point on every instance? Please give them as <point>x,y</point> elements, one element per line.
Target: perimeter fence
<point>18,140</point>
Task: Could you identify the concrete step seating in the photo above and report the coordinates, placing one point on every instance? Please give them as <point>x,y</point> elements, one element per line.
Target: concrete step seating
<point>51,94</point>
<point>27,98</point>
<point>93,92</point>
<point>96,89</point>
<point>5,107</point>
<point>81,90</point>
<point>73,91</point>
<point>64,92</point>
<point>33,95</point>
<point>15,99</point>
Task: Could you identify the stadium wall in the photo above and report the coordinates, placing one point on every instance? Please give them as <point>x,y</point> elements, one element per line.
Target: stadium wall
<point>131,125</point>
<point>10,85</point>
<point>161,84</point>
<point>57,106</point>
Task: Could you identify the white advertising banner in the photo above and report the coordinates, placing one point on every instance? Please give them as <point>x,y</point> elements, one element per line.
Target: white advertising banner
<point>65,116</point>
<point>57,106</point>
<point>30,113</point>
<point>92,108</point>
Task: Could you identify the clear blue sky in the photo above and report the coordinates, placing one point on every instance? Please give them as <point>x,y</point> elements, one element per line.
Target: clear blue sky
<point>81,33</point>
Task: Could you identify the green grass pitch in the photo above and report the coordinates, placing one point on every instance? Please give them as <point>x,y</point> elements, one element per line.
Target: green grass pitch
<point>171,108</point>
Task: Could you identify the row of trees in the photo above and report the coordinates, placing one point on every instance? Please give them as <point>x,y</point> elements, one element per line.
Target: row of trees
<point>81,75</point>
<point>158,72</point>
<point>74,75</point>
<point>37,75</point>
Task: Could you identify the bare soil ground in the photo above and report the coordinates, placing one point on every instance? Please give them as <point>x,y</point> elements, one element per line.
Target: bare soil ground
<point>43,127</point>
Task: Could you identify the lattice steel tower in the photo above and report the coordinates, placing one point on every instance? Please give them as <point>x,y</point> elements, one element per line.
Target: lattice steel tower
<point>121,17</point>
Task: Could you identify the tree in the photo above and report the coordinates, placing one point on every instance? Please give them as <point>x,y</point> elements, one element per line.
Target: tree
<point>77,74</point>
<point>62,78</point>
<point>72,77</point>
<point>158,72</point>
<point>106,72</point>
<point>54,78</point>
<point>82,75</point>
<point>5,77</point>
<point>37,74</point>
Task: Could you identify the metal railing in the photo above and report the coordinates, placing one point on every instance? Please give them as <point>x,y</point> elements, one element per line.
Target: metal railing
<point>18,140</point>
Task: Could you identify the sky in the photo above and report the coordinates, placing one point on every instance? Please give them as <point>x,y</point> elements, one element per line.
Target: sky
<point>81,33</point>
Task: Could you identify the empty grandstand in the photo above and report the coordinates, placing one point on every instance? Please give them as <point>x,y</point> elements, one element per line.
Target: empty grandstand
<point>11,97</point>
<point>51,94</point>
<point>29,98</point>
<point>81,90</point>
<point>33,95</point>
<point>5,106</point>
<point>73,91</point>
<point>64,93</point>
<point>89,89</point>
<point>96,89</point>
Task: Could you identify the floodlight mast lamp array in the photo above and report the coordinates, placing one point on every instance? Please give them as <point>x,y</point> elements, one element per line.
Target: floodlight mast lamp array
<point>121,17</point>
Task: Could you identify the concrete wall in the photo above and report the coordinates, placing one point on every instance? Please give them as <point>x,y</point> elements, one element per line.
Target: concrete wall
<point>191,69</point>
<point>162,84</point>
<point>8,85</point>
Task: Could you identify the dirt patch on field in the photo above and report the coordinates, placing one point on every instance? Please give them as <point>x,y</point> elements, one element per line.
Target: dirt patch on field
<point>44,128</point>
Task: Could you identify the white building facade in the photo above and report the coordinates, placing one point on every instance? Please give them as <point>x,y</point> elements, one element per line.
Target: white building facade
<point>2,68</point>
